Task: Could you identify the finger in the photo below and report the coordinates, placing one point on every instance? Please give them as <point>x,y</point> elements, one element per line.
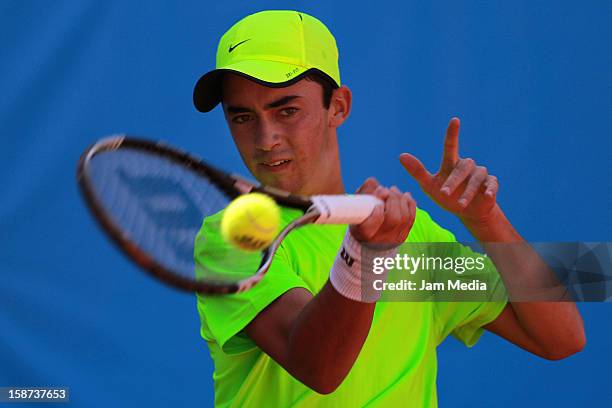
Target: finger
<point>491,186</point>
<point>461,171</point>
<point>367,229</point>
<point>451,147</point>
<point>412,205</point>
<point>370,226</point>
<point>415,168</point>
<point>368,186</point>
<point>405,206</point>
<point>478,177</point>
<point>405,217</point>
<point>381,192</point>
<point>393,214</point>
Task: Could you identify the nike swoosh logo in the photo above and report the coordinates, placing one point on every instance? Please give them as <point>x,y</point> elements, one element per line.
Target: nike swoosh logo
<point>233,47</point>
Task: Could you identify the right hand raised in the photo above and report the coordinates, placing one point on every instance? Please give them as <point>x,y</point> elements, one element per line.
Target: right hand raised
<point>389,224</point>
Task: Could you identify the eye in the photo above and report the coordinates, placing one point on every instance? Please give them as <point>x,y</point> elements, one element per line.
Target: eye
<point>241,119</point>
<point>288,111</point>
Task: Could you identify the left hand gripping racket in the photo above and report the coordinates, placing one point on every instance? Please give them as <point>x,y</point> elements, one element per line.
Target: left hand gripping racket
<point>152,199</point>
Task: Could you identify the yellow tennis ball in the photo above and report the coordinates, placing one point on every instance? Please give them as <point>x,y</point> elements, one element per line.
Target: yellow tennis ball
<point>251,221</point>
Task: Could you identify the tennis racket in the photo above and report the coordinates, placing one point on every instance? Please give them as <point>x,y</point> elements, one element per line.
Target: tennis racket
<point>152,200</point>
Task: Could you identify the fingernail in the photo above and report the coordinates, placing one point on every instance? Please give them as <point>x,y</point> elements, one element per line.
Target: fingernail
<point>445,190</point>
<point>463,202</point>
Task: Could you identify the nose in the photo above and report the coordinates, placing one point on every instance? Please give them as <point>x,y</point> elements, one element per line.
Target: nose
<point>267,136</point>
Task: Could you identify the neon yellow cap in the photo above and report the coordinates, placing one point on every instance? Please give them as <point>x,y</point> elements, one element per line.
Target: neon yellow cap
<point>275,48</point>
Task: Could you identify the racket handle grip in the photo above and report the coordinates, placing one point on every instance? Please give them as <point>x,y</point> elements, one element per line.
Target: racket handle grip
<point>344,209</point>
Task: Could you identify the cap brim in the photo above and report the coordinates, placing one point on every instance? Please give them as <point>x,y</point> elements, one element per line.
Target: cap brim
<point>207,92</point>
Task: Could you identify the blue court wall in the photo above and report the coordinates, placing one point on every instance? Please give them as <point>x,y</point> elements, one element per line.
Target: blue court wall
<point>531,82</point>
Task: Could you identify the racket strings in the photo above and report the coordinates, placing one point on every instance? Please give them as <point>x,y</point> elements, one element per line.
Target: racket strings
<point>159,204</point>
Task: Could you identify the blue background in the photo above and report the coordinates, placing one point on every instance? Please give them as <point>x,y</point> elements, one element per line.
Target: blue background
<point>531,81</point>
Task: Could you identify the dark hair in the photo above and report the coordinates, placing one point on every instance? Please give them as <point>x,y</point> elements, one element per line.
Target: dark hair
<point>327,84</point>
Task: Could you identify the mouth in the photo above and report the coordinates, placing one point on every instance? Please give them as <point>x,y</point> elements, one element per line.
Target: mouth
<point>275,165</point>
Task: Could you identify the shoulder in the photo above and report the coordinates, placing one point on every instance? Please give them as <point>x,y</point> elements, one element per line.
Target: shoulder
<point>425,229</point>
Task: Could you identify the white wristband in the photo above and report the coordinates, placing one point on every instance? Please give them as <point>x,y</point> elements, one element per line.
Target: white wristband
<point>352,274</point>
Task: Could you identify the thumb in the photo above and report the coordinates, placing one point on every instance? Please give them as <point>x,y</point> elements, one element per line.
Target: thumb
<point>415,168</point>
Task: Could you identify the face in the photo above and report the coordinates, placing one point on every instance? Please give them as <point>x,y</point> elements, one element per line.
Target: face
<point>286,136</point>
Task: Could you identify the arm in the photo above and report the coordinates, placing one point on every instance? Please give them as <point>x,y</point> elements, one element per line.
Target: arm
<point>317,339</point>
<point>315,346</point>
<point>552,330</point>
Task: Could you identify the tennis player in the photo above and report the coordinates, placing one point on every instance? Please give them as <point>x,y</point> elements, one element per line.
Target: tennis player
<point>306,335</point>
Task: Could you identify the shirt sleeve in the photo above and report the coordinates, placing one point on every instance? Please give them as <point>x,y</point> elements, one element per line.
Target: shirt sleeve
<point>223,317</point>
<point>463,320</point>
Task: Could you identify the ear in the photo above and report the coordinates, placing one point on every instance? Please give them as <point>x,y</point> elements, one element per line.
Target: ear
<point>340,106</point>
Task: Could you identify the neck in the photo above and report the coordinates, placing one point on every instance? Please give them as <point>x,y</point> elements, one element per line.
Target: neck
<point>338,186</point>
<point>330,183</point>
<point>331,188</point>
<point>333,183</point>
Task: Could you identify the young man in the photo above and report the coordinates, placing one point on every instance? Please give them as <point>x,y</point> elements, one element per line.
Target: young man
<point>305,336</point>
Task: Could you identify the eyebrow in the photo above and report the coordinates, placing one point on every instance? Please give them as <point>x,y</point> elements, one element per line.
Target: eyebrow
<point>275,104</point>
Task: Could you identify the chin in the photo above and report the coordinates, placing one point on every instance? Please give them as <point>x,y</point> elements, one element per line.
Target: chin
<point>285,185</point>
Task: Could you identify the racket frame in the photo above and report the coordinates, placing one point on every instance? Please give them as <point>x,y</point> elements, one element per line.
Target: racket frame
<point>232,185</point>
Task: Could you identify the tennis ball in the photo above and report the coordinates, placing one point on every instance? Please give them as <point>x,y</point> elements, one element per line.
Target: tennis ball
<point>251,221</point>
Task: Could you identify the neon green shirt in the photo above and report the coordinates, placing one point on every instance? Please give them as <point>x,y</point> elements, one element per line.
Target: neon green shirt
<point>397,364</point>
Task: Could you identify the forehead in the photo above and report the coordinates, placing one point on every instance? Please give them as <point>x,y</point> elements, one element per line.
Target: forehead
<point>240,91</point>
